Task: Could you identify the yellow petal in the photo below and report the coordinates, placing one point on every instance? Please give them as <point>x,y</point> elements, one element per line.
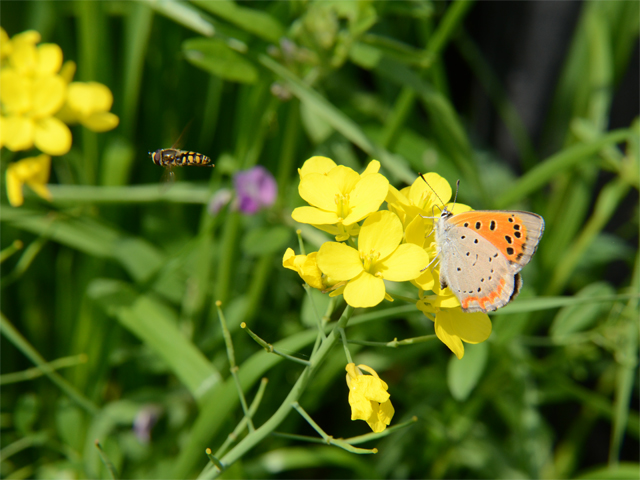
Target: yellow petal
<point>436,193</point>
<point>319,191</point>
<point>404,263</point>
<point>455,324</point>
<point>28,36</point>
<point>288,260</point>
<point>373,167</point>
<point>381,232</point>
<point>314,216</point>
<point>41,190</point>
<point>366,197</point>
<point>14,187</point>
<point>52,136</point>
<point>102,98</point>
<point>100,121</point>
<point>15,91</point>
<point>339,261</point>
<point>364,291</point>
<point>443,330</point>
<point>68,70</point>
<point>426,280</point>
<point>317,164</point>
<point>17,133</point>
<point>344,178</point>
<point>48,95</point>
<point>88,98</point>
<point>49,59</point>
<point>310,272</point>
<point>5,44</point>
<point>24,56</point>
<point>416,231</point>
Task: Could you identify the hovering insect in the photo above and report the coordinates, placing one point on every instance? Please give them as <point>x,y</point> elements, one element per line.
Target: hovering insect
<point>173,157</point>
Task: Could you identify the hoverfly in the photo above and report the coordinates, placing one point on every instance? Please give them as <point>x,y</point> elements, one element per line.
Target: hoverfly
<point>173,157</point>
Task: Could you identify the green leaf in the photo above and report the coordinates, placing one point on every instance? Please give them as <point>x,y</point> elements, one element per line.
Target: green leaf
<point>545,303</point>
<point>463,375</point>
<point>394,164</point>
<point>216,57</point>
<point>264,241</point>
<point>184,14</point>
<point>26,412</point>
<point>254,21</point>
<point>155,325</point>
<point>624,471</point>
<point>579,317</point>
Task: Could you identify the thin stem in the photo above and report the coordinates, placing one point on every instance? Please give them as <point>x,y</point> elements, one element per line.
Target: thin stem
<point>10,250</point>
<point>307,289</point>
<point>107,463</point>
<point>214,460</point>
<point>395,343</point>
<point>233,436</point>
<point>300,242</point>
<point>233,368</point>
<point>14,336</point>
<point>373,436</point>
<point>281,413</point>
<point>270,348</point>
<point>328,438</point>
<point>345,342</point>
<point>35,372</point>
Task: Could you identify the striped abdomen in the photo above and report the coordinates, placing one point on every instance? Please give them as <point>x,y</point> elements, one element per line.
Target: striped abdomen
<point>171,157</point>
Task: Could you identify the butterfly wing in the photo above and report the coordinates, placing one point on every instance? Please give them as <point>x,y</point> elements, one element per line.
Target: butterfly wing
<point>516,234</point>
<point>475,270</point>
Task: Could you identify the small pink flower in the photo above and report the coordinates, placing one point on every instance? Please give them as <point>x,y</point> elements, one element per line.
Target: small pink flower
<point>255,189</point>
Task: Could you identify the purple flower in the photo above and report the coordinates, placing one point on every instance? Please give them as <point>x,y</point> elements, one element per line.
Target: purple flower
<point>145,419</point>
<point>255,189</point>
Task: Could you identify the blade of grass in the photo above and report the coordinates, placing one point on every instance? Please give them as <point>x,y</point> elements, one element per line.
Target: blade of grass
<point>338,120</point>
<point>564,160</point>
<point>21,343</point>
<point>155,325</point>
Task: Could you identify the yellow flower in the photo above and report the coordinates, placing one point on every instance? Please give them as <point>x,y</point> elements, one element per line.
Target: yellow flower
<point>379,257</point>
<point>340,197</point>
<point>419,207</point>
<point>306,266</point>
<point>31,92</point>
<point>368,397</point>
<point>34,172</point>
<point>452,325</point>
<point>89,104</point>
<point>317,165</point>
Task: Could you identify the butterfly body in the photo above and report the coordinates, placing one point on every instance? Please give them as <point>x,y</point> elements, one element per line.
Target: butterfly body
<point>482,252</point>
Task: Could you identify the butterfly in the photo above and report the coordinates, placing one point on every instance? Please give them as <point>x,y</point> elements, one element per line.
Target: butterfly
<point>481,253</point>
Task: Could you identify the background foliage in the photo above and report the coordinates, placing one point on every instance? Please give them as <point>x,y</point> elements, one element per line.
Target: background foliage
<point>116,282</point>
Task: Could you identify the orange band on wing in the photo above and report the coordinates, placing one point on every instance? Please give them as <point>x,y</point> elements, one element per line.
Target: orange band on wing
<point>482,301</point>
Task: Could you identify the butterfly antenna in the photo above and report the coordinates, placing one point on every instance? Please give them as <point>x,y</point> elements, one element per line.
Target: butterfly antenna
<point>432,189</point>
<point>455,198</point>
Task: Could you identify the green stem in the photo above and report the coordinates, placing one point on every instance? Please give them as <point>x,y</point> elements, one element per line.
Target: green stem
<point>232,365</point>
<point>328,438</point>
<point>345,344</point>
<point>281,413</point>
<point>107,463</point>
<point>270,348</point>
<point>395,343</point>
<point>307,289</point>
<point>35,372</point>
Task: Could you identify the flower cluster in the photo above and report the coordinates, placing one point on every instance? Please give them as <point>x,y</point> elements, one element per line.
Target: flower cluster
<point>38,100</point>
<point>373,246</point>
